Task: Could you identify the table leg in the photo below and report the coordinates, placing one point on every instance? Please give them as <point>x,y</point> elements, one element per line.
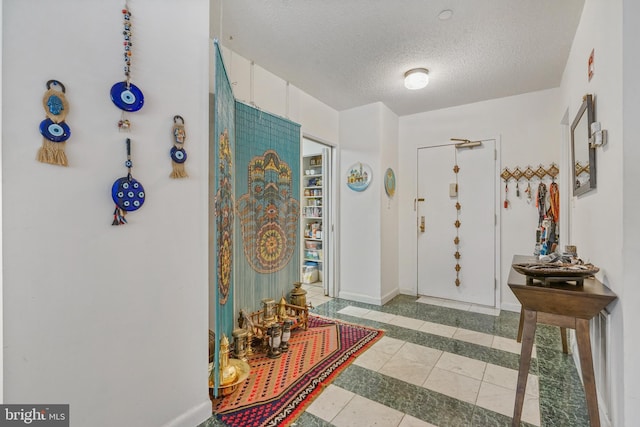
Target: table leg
<point>528,335</point>
<point>563,336</point>
<point>586,364</point>
<point>519,337</point>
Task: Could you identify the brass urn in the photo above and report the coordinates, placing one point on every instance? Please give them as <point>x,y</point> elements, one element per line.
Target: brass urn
<point>298,295</point>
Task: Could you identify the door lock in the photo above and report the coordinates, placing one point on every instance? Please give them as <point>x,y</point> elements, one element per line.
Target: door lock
<point>422,224</point>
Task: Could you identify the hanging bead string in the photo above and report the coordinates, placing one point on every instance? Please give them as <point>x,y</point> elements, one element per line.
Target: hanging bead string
<point>124,124</point>
<point>456,240</point>
<point>127,43</point>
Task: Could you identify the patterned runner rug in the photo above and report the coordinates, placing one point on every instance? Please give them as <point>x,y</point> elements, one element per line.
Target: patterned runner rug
<point>277,391</point>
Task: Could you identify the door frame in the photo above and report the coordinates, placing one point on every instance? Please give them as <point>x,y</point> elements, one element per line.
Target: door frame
<point>497,209</point>
<point>331,266</point>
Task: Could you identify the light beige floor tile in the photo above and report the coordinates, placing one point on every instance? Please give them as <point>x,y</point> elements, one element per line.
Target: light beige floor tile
<point>445,303</point>
<point>473,337</point>
<point>379,316</point>
<point>420,354</point>
<point>354,311</point>
<point>412,363</point>
<point>508,378</point>
<point>330,402</point>
<point>312,287</point>
<point>510,345</point>
<point>388,345</point>
<point>405,370</point>
<point>409,421</point>
<point>501,400</point>
<point>361,412</point>
<point>315,292</point>
<point>462,365</point>
<point>372,359</point>
<point>453,385</point>
<point>438,329</point>
<point>407,322</point>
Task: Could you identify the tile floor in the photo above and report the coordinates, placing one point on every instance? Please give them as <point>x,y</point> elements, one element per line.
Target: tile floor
<point>443,364</point>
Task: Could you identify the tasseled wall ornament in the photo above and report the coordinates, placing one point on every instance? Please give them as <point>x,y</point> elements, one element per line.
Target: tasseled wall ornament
<point>54,130</point>
<point>127,193</point>
<point>178,154</point>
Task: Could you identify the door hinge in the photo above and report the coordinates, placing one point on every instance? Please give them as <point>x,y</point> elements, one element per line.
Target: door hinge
<point>495,283</point>
<point>495,154</point>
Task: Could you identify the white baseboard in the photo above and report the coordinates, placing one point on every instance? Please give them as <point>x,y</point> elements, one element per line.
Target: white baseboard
<point>406,291</point>
<point>193,417</point>
<point>391,295</point>
<point>360,298</point>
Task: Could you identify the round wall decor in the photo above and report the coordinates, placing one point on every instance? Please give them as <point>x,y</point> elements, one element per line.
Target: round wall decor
<point>390,182</point>
<point>359,176</point>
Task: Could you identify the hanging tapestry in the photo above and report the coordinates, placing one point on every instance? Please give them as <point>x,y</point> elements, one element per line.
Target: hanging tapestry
<point>267,205</point>
<point>221,210</point>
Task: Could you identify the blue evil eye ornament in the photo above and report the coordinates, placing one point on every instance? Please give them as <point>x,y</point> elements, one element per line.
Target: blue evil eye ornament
<point>128,194</point>
<point>127,97</point>
<point>55,132</point>
<point>178,155</point>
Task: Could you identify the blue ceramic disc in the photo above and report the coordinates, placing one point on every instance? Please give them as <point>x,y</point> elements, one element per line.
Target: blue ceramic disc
<point>128,194</point>
<point>55,132</point>
<point>130,99</point>
<point>178,155</point>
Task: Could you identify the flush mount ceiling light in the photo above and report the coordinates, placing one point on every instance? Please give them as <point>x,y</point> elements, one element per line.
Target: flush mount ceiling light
<point>416,78</point>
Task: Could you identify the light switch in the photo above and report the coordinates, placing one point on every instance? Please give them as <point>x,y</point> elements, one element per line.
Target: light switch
<point>453,190</point>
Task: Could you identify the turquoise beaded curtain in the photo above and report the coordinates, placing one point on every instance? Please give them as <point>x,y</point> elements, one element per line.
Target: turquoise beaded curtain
<point>267,194</point>
<point>221,208</point>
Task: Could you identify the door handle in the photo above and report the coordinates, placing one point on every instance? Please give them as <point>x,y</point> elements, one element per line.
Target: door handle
<point>422,224</point>
<point>415,202</point>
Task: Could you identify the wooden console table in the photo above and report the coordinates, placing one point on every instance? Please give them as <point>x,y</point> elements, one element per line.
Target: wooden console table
<point>567,306</point>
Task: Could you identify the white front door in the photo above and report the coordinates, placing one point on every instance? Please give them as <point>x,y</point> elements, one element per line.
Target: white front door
<point>436,207</point>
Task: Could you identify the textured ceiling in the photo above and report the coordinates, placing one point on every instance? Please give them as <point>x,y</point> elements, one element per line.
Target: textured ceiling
<point>349,53</point>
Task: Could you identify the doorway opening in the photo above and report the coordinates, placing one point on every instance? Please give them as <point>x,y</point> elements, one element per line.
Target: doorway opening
<point>318,210</point>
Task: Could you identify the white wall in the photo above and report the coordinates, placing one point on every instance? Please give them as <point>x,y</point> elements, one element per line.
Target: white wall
<point>366,269</point>
<point>389,260</point>
<point>254,85</point>
<point>603,220</point>
<point>1,257</point>
<point>527,127</point>
<point>631,207</point>
<point>111,320</point>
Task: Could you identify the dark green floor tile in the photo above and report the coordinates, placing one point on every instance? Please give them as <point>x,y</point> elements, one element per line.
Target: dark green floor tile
<point>212,422</point>
<point>562,403</point>
<point>555,364</point>
<point>309,420</point>
<point>486,418</point>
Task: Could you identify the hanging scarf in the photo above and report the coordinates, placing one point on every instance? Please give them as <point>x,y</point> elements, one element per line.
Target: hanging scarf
<point>554,202</point>
<point>541,198</point>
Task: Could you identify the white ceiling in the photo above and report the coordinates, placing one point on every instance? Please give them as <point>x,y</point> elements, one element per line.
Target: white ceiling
<point>349,53</point>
